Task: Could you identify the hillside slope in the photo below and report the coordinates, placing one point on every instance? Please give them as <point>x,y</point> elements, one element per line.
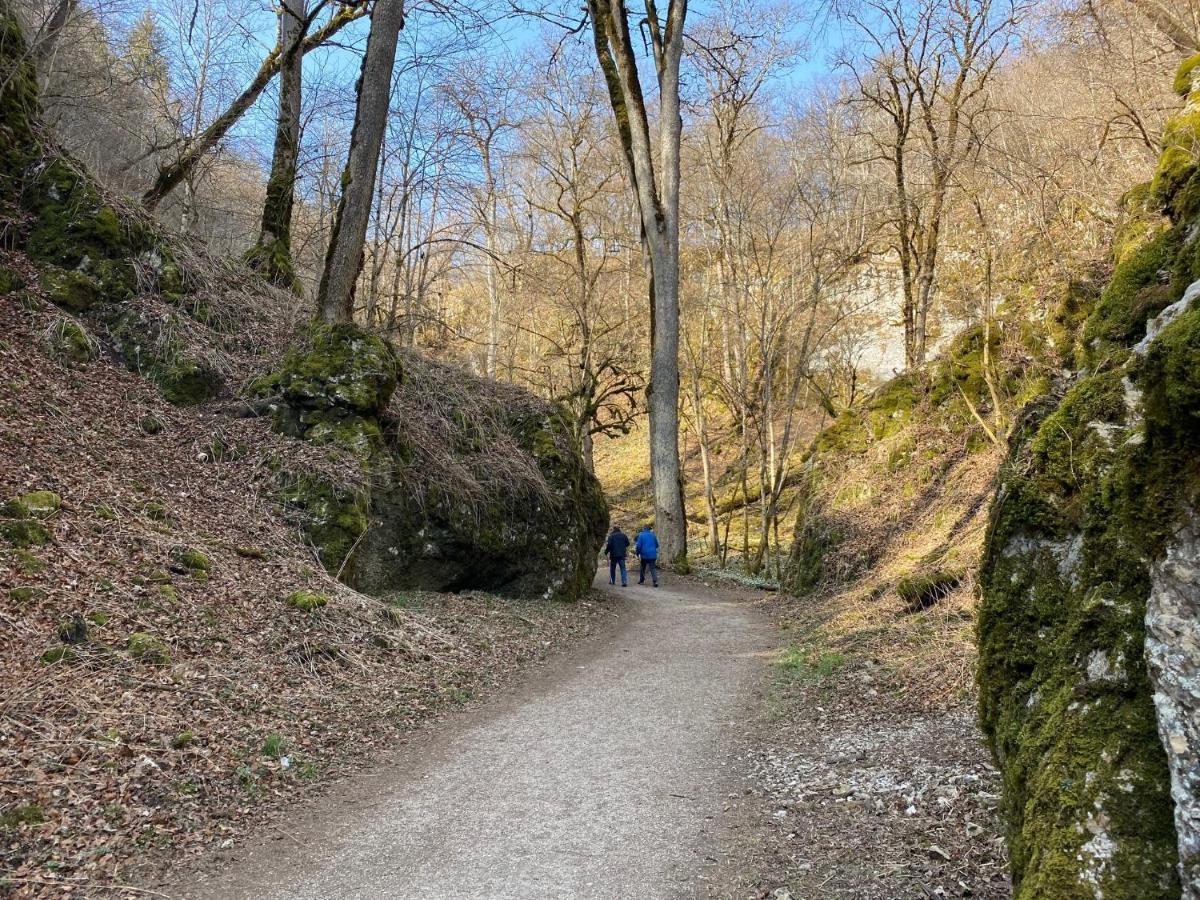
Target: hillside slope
<point>181,650</point>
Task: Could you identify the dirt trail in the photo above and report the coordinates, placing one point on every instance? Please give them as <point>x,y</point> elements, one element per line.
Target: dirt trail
<point>609,776</point>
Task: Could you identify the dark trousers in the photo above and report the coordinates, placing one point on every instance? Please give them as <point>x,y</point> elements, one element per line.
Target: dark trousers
<point>613,563</point>
<point>652,565</point>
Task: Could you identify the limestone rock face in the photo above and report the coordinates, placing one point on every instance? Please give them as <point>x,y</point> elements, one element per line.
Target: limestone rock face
<point>1173,654</point>
<point>1088,647</point>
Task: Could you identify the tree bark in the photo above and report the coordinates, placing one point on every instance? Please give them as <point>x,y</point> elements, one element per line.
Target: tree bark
<point>335,299</point>
<point>170,177</point>
<point>272,255</point>
<point>658,204</point>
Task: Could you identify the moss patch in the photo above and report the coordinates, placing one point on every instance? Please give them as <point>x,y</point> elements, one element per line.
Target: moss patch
<point>147,648</point>
<point>307,601</point>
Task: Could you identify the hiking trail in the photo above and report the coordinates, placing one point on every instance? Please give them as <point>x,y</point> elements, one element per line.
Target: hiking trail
<point>608,775</point>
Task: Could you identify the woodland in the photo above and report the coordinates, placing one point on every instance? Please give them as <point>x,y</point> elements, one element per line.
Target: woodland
<point>884,309</point>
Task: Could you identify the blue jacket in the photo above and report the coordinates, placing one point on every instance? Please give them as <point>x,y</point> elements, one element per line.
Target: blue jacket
<point>646,545</point>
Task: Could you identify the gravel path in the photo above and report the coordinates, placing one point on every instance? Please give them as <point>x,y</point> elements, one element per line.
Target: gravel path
<point>608,776</point>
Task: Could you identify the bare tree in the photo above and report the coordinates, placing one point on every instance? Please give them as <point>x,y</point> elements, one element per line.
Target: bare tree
<point>171,175</point>
<point>272,253</point>
<point>657,194</point>
<point>343,261</point>
<point>926,76</point>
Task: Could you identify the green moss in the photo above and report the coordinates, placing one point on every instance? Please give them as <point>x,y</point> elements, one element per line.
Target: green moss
<point>71,343</point>
<point>151,424</point>
<point>273,261</point>
<point>168,593</point>
<point>28,814</point>
<point>147,648</point>
<point>10,281</point>
<point>75,291</point>
<point>182,740</point>
<point>362,437</point>
<point>1142,286</point>
<point>19,98</point>
<point>24,533</point>
<point>307,601</point>
<point>151,347</point>
<point>1177,164</point>
<point>1185,76</point>
<point>41,504</point>
<point>59,655</point>
<point>191,560</point>
<point>334,516</point>
<point>99,619</point>
<point>14,509</point>
<point>340,366</point>
<point>26,594</point>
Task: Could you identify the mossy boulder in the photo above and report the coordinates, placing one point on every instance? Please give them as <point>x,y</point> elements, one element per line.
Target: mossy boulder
<point>41,504</point>
<point>537,536</point>
<point>69,341</point>
<point>147,648</point>
<point>333,387</point>
<point>190,560</point>
<point>339,367</point>
<point>307,601</point>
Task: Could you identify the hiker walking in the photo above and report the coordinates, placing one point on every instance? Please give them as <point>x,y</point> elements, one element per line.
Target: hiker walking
<point>646,548</point>
<point>616,550</point>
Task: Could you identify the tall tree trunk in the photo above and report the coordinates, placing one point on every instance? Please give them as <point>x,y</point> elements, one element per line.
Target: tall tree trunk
<point>170,177</point>
<point>658,204</point>
<point>47,39</point>
<point>335,299</point>
<point>272,255</point>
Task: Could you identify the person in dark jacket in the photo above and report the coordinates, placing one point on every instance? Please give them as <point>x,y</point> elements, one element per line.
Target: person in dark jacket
<point>646,548</point>
<point>616,550</point>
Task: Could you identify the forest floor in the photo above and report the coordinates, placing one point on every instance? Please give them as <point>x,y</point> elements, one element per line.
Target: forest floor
<point>677,754</point>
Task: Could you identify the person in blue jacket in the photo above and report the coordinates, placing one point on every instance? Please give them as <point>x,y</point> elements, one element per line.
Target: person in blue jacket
<point>616,549</point>
<point>646,547</point>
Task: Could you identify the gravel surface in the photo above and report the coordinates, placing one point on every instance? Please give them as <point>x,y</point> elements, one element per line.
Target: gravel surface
<point>608,776</point>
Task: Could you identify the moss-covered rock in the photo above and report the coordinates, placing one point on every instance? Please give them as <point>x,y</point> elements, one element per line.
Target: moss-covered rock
<point>73,630</point>
<point>536,537</point>
<point>147,648</point>
<point>190,560</point>
<point>307,601</point>
<point>69,341</point>
<point>59,655</point>
<point>24,533</point>
<point>339,367</point>
<point>1095,492</point>
<point>41,504</point>
<point>334,517</point>
<point>925,588</point>
<point>151,347</point>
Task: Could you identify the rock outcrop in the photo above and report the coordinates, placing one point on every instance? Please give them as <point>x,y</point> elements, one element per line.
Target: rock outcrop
<point>1087,628</point>
<point>468,485</point>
